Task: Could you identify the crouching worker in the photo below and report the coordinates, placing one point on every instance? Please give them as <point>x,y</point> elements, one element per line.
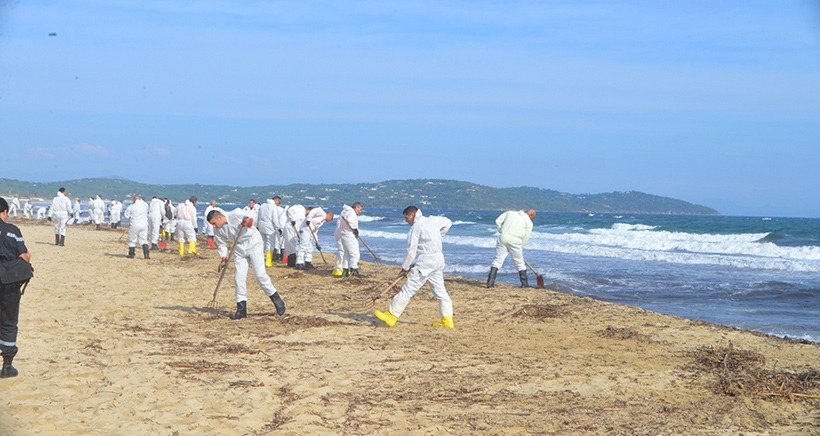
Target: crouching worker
<point>424,240</point>
<point>238,225</point>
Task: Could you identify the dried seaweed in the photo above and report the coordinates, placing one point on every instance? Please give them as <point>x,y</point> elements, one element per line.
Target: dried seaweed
<point>540,311</point>
<point>738,372</point>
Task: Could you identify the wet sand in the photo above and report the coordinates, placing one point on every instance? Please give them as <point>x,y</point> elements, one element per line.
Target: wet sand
<point>115,345</point>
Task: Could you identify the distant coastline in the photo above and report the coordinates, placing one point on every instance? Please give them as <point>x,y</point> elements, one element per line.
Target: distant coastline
<point>429,193</point>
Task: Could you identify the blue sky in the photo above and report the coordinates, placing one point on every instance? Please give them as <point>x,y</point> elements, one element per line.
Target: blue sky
<point>716,103</point>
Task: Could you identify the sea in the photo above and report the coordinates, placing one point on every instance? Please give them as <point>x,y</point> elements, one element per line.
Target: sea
<point>754,273</point>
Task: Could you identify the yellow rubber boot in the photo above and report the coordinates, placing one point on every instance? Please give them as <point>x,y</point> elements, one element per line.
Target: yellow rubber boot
<point>387,317</point>
<point>446,322</point>
<point>192,248</point>
<point>182,249</point>
<point>268,258</point>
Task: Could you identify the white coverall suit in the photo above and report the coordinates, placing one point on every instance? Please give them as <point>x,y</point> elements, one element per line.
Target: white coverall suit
<point>115,212</point>
<point>207,228</point>
<point>248,249</point>
<point>264,222</point>
<point>186,222</point>
<point>424,239</point>
<point>99,210</point>
<point>60,209</point>
<point>314,219</point>
<point>14,206</point>
<point>75,212</point>
<point>155,212</point>
<point>137,214</point>
<point>346,242</point>
<point>278,219</point>
<point>293,214</point>
<point>514,229</point>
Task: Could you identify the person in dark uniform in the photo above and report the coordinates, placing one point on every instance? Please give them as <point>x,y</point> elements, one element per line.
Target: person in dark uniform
<point>11,247</point>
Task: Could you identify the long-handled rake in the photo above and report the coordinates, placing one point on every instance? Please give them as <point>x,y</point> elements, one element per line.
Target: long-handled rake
<point>315,241</point>
<point>539,279</point>
<point>371,301</point>
<point>212,304</point>
<point>365,243</point>
<point>368,249</point>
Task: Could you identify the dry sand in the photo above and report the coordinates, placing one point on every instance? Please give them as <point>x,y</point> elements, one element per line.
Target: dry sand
<point>111,345</point>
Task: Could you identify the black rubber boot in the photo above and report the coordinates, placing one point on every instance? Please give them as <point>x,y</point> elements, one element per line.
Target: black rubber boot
<point>277,301</point>
<point>132,251</point>
<point>154,247</point>
<point>8,370</point>
<point>346,272</point>
<point>98,227</point>
<point>241,310</point>
<point>309,265</point>
<point>56,239</point>
<point>62,240</point>
<point>145,251</point>
<point>291,260</point>
<point>300,266</point>
<point>491,277</point>
<point>523,276</point>
<point>277,256</point>
<point>355,273</point>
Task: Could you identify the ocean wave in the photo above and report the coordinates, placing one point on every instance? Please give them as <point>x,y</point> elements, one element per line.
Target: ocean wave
<point>456,223</point>
<point>367,218</point>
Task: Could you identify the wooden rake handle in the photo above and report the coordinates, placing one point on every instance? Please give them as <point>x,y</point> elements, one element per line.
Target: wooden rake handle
<point>230,256</point>
<point>533,269</point>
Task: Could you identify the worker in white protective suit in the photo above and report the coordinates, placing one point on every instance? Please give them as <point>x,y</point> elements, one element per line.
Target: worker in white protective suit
<point>514,229</point>
<point>137,214</point>
<point>75,213</point>
<point>277,238</point>
<point>424,240</point>
<point>264,223</point>
<point>185,223</point>
<point>28,208</point>
<point>155,211</point>
<point>99,212</point>
<point>294,216</point>
<point>308,237</point>
<point>253,208</point>
<point>238,225</point>
<point>14,206</point>
<point>347,241</point>
<point>207,228</point>
<point>60,210</point>
<point>115,213</point>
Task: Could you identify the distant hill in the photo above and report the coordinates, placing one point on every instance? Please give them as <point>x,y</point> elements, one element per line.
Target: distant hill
<point>430,193</point>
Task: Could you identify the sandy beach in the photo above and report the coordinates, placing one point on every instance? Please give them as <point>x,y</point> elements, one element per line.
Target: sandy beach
<point>111,345</point>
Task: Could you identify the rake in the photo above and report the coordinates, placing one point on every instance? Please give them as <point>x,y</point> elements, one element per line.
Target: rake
<point>315,241</point>
<point>539,279</point>
<point>371,301</point>
<point>212,304</point>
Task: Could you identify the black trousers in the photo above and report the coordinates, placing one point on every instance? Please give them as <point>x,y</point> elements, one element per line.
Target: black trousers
<point>9,314</point>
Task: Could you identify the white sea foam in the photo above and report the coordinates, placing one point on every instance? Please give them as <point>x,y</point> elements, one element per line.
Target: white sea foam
<point>456,223</point>
<point>638,242</point>
<point>367,218</point>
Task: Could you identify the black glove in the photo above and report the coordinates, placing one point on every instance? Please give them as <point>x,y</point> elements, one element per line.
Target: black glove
<point>356,232</point>
<point>280,231</point>
<point>318,247</point>
<point>196,229</point>
<point>293,223</point>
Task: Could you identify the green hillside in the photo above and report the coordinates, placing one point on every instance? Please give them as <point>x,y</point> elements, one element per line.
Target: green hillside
<point>431,193</point>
